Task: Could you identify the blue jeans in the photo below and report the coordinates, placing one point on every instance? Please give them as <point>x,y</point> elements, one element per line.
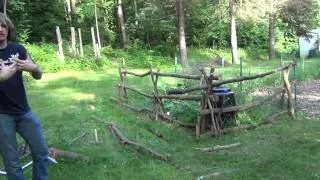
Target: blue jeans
<point>29,128</point>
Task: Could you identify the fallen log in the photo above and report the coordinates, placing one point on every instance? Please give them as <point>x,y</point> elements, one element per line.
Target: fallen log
<point>56,153</point>
<point>124,140</point>
<point>218,148</point>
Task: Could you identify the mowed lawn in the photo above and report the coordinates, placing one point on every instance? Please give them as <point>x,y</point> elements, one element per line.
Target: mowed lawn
<point>71,103</point>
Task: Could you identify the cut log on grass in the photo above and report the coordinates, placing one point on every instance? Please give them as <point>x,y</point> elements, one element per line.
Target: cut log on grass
<point>124,140</point>
<point>218,148</point>
<point>56,153</point>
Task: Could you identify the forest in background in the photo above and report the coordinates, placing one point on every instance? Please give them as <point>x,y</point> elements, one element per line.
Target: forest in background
<point>170,25</point>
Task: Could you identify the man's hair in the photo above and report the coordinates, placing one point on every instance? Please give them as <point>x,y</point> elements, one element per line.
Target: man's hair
<point>6,20</point>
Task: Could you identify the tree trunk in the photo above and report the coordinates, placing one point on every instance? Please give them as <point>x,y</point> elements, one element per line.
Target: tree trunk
<point>60,48</point>
<point>272,35</point>
<point>80,42</point>
<point>73,41</point>
<point>69,16</point>
<point>94,45</point>
<point>181,34</point>
<point>135,12</point>
<point>3,6</point>
<point>234,45</point>
<point>97,26</point>
<point>73,6</point>
<point>121,23</point>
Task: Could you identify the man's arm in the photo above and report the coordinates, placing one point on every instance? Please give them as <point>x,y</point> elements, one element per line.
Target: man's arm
<point>7,71</point>
<point>29,66</point>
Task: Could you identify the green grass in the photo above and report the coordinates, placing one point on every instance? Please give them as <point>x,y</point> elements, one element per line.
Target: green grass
<point>72,102</point>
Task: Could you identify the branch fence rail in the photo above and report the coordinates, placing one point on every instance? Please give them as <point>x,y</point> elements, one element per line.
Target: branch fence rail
<point>209,117</point>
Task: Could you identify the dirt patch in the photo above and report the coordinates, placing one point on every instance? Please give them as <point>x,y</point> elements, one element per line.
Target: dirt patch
<point>308,99</point>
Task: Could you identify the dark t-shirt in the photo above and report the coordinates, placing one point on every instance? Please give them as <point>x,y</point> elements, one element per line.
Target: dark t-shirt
<point>13,99</point>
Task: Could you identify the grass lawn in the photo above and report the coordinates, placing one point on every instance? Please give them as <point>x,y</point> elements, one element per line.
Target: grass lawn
<point>70,103</point>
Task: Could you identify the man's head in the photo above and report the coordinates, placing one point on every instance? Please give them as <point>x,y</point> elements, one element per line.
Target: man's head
<point>6,28</point>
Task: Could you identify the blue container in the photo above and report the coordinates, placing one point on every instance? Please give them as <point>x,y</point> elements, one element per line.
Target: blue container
<point>226,99</point>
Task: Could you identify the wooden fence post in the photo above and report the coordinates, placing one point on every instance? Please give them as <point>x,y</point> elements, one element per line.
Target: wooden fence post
<point>157,102</point>
<point>288,91</point>
<point>207,103</point>
<point>122,87</point>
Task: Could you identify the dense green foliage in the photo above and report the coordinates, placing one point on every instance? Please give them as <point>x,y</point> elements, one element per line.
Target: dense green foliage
<point>153,25</point>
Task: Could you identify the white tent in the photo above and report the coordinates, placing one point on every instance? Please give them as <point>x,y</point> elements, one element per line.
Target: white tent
<point>308,43</point>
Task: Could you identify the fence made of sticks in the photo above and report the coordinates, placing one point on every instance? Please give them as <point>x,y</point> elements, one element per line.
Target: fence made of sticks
<point>209,117</point>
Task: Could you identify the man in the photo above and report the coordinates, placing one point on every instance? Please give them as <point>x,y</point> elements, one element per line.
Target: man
<point>15,113</point>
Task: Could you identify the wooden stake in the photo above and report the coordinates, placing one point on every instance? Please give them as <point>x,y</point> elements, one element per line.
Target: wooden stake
<point>96,136</point>
<point>219,148</point>
<point>288,90</point>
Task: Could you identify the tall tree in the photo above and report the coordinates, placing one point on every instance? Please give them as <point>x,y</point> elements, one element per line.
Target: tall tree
<point>180,6</point>
<point>121,23</point>
<point>3,6</point>
<point>272,36</point>
<point>258,10</point>
<point>301,15</point>
<point>233,31</point>
<point>97,25</point>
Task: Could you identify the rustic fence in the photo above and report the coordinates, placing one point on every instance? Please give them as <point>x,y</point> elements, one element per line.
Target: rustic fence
<point>209,116</point>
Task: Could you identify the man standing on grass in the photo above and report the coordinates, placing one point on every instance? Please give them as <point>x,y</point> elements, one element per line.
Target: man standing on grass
<point>15,113</point>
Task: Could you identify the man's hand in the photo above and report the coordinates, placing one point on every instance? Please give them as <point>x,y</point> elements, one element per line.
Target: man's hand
<point>25,65</point>
<point>7,71</point>
<point>29,66</point>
